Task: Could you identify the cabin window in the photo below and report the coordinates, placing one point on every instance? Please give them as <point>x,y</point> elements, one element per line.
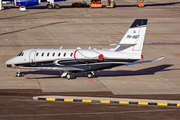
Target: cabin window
<point>64,54</point>
<point>42,54</point>
<point>53,54</point>
<point>47,54</point>
<point>59,54</point>
<point>71,54</point>
<point>37,54</point>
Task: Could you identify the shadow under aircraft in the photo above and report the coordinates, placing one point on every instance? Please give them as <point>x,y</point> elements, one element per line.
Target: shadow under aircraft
<point>105,73</point>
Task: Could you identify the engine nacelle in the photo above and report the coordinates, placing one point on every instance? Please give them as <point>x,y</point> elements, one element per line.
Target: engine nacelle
<point>87,56</point>
<point>26,2</point>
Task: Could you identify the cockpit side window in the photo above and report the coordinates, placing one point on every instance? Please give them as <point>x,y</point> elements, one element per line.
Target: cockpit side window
<point>20,54</point>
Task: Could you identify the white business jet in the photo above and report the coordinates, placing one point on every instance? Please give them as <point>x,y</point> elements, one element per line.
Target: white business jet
<point>127,52</point>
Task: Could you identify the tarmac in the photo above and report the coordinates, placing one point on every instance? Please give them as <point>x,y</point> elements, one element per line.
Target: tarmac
<point>96,28</point>
<point>84,27</point>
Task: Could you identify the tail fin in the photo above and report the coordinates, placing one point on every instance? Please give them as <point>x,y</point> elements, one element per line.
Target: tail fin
<point>134,38</point>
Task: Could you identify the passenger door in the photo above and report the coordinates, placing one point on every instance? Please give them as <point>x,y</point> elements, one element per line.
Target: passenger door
<point>32,57</point>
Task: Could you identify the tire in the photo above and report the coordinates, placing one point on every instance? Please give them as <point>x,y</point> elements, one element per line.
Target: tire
<point>56,6</point>
<point>19,75</point>
<point>70,76</point>
<point>49,6</point>
<point>90,75</point>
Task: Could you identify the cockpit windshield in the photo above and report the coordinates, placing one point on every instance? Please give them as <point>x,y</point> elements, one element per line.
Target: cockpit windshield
<point>20,54</point>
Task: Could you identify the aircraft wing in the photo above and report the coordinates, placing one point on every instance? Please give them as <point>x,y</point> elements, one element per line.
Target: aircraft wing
<point>140,62</point>
<point>55,68</point>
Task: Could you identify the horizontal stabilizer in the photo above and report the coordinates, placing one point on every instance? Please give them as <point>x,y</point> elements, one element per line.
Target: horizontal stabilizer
<point>123,46</point>
<point>140,62</point>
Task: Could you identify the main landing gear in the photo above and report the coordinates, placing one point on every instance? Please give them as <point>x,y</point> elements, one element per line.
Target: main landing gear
<point>90,75</point>
<point>70,75</point>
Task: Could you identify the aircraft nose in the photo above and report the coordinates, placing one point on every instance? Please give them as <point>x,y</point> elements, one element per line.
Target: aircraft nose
<point>9,63</point>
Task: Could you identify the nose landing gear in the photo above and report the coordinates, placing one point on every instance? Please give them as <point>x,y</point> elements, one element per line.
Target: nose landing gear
<point>18,74</point>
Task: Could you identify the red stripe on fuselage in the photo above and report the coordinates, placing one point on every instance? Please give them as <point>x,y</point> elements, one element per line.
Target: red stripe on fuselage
<point>75,54</point>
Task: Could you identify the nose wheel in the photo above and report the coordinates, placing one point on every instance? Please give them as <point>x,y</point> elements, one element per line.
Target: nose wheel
<point>90,75</point>
<point>18,74</point>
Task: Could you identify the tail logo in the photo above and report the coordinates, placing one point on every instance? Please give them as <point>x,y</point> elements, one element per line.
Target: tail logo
<point>134,31</point>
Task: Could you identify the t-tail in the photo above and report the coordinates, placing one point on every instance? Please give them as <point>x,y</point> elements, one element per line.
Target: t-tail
<point>133,40</point>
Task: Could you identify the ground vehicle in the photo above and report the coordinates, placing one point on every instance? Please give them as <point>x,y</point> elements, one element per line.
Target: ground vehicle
<point>79,4</point>
<point>4,2</point>
<point>112,4</point>
<point>140,3</point>
<point>22,9</point>
<point>96,4</point>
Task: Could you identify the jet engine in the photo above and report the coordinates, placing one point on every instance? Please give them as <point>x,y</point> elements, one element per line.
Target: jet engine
<point>87,56</point>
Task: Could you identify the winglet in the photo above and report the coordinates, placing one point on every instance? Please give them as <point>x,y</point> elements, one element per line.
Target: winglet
<point>158,59</point>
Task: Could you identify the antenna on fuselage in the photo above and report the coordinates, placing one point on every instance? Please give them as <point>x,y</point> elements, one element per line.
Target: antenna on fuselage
<point>61,47</point>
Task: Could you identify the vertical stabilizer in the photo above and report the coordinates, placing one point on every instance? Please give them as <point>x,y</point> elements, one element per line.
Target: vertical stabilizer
<point>134,38</point>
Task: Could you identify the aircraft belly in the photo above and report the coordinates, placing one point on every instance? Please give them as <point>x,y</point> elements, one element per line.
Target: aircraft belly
<point>94,67</point>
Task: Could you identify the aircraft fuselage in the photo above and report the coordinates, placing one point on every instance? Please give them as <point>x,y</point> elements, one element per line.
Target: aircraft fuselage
<point>85,59</point>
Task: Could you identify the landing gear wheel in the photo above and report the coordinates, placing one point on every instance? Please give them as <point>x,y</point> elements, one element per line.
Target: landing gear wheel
<point>56,6</point>
<point>49,6</point>
<point>70,76</point>
<point>90,75</point>
<point>18,74</point>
